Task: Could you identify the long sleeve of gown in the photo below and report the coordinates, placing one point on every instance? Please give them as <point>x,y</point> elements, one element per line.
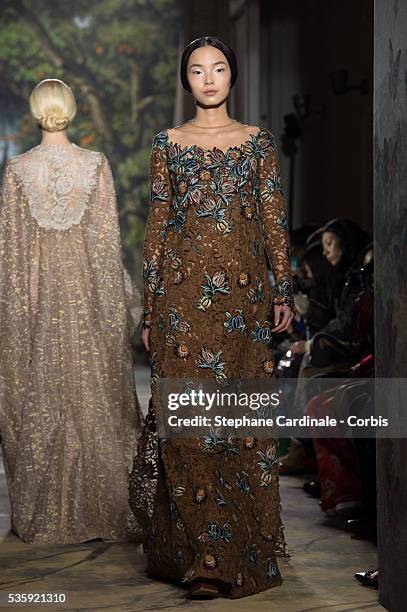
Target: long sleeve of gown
<point>16,286</point>
<point>273,221</point>
<point>105,250</point>
<point>160,199</point>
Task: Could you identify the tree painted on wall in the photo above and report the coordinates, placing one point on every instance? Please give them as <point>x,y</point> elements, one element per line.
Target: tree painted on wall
<point>119,57</point>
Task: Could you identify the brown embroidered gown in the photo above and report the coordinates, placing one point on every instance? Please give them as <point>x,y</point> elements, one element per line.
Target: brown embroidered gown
<point>211,507</point>
<point>69,417</point>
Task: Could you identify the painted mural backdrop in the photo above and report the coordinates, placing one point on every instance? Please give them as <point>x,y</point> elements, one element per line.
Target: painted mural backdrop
<point>120,58</point>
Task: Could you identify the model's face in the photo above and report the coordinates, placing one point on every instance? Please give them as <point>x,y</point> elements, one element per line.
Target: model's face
<point>331,246</point>
<point>209,76</point>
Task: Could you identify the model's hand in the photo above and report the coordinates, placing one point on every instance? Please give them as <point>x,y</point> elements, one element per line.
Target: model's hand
<point>287,315</point>
<point>145,338</point>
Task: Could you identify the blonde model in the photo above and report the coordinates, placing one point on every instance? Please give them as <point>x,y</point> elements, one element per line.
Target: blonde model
<point>69,415</point>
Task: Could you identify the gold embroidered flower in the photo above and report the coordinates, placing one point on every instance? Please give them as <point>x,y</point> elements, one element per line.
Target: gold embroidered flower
<point>247,212</point>
<point>268,366</point>
<point>200,495</point>
<point>182,350</point>
<point>234,154</point>
<point>249,442</point>
<point>210,561</point>
<point>205,175</point>
<point>182,186</point>
<point>244,279</point>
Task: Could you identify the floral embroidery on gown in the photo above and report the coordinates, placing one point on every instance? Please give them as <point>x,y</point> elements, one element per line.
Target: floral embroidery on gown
<point>69,416</point>
<point>210,507</point>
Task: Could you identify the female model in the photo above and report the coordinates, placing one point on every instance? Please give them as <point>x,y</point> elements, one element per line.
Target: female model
<point>69,417</point>
<point>216,204</point>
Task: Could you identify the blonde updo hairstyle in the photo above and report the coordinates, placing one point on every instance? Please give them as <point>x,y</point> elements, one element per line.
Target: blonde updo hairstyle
<point>52,105</point>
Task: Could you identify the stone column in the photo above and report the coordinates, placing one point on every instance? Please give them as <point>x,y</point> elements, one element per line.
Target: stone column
<point>390,213</point>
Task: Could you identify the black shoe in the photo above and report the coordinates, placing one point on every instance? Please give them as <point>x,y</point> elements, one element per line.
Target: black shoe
<point>362,529</point>
<point>368,578</point>
<point>313,488</point>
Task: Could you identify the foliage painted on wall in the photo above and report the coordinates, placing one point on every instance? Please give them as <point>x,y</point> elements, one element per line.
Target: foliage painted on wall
<point>119,57</point>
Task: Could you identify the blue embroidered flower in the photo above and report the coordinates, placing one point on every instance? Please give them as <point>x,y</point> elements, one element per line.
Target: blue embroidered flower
<point>212,208</point>
<point>239,172</point>
<point>176,554</point>
<point>268,464</point>
<point>219,499</point>
<point>243,483</point>
<point>253,555</point>
<point>235,322</point>
<point>223,188</point>
<point>161,140</point>
<point>178,221</point>
<point>207,359</point>
<point>282,222</point>
<point>177,324</point>
<point>215,284</point>
<point>257,294</point>
<point>262,333</point>
<point>272,185</point>
<point>214,443</point>
<point>151,278</point>
<point>283,292</point>
<point>222,481</point>
<point>215,532</point>
<point>272,569</point>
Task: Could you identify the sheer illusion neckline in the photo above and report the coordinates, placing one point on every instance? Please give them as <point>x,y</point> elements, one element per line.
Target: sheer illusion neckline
<point>239,147</point>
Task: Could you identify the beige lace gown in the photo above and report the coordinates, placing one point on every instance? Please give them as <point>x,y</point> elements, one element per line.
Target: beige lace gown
<point>210,506</point>
<point>69,416</point>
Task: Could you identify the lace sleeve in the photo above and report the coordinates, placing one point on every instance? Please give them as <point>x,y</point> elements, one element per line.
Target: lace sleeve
<point>104,246</point>
<point>273,220</point>
<point>18,286</point>
<point>133,298</point>
<point>160,198</point>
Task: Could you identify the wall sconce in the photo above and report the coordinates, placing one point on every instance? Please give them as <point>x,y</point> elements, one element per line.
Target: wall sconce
<point>340,83</point>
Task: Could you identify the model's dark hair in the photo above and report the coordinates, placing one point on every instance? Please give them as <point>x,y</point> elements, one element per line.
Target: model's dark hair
<point>204,41</point>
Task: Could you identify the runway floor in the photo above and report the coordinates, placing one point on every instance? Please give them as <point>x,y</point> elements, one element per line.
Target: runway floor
<point>110,576</point>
